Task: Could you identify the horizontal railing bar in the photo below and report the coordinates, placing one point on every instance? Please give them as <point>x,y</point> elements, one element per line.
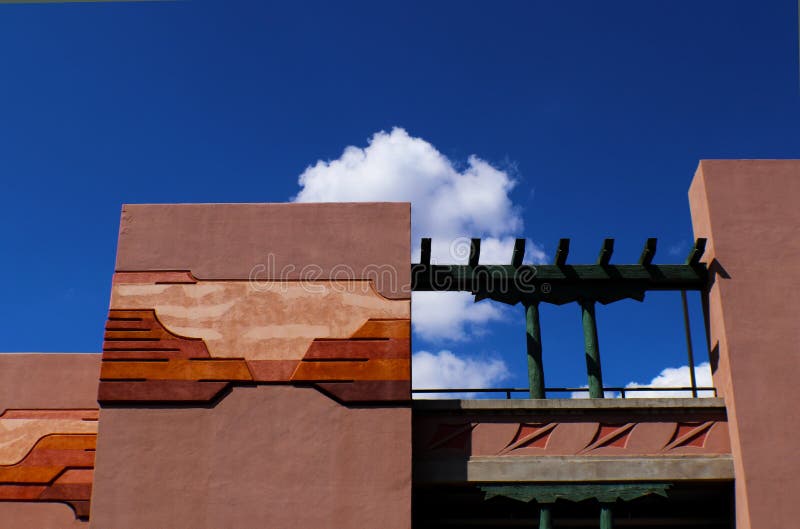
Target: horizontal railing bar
<point>560,390</point>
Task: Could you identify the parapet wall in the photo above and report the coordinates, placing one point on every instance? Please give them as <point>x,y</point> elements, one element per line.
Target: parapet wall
<point>748,211</point>
<point>254,357</point>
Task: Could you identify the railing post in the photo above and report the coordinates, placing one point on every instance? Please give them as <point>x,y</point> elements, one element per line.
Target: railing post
<point>545,517</point>
<point>592,348</point>
<point>605,517</point>
<point>533,335</point>
<point>689,349</point>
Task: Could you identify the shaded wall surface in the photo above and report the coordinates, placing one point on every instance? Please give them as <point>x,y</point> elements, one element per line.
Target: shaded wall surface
<point>48,432</point>
<point>267,456</point>
<point>749,212</point>
<point>252,356</point>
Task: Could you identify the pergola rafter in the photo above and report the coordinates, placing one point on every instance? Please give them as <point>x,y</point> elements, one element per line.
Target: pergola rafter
<point>560,283</point>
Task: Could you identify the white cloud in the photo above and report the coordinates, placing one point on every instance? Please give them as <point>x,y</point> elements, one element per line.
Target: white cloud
<point>448,205</point>
<point>675,377</point>
<point>397,167</point>
<point>585,394</point>
<point>451,315</point>
<point>671,377</point>
<point>446,370</point>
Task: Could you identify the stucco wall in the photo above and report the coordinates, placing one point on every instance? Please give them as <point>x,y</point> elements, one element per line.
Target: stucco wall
<point>748,210</point>
<point>267,456</point>
<point>236,389</point>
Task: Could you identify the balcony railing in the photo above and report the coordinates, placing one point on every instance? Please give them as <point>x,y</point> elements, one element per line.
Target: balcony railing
<point>623,392</point>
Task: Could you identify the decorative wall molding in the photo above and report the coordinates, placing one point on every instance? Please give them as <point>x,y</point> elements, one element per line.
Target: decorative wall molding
<point>48,456</point>
<point>355,349</point>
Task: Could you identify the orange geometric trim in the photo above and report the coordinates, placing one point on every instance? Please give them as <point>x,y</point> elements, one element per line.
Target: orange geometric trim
<point>143,361</point>
<point>177,369</point>
<point>139,335</point>
<point>81,415</point>
<point>384,328</point>
<point>171,277</point>
<point>393,369</point>
<point>58,468</point>
<point>373,365</point>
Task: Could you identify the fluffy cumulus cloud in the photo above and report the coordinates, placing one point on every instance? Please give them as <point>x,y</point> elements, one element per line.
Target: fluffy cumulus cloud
<point>446,315</point>
<point>675,377</point>
<point>671,377</point>
<point>446,370</point>
<point>449,204</point>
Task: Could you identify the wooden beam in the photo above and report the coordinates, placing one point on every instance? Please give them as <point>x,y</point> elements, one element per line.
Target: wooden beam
<point>557,284</point>
<point>519,253</point>
<point>605,252</point>
<point>474,252</point>
<point>697,252</point>
<point>646,259</point>
<point>425,251</point>
<point>562,252</point>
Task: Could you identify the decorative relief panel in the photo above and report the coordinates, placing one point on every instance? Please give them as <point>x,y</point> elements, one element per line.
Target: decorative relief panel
<point>471,437</point>
<point>173,338</point>
<point>48,456</point>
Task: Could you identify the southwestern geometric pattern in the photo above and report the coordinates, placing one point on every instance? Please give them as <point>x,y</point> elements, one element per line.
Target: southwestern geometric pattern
<point>146,360</point>
<point>48,456</point>
<point>576,437</point>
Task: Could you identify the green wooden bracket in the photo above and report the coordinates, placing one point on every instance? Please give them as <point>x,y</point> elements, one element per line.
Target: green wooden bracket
<point>474,252</point>
<point>519,253</point>
<point>425,251</point>
<point>562,252</point>
<point>696,252</point>
<point>605,252</point>
<point>576,492</point>
<point>646,259</point>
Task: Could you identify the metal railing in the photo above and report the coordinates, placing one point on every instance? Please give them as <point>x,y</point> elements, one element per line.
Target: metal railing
<point>623,392</point>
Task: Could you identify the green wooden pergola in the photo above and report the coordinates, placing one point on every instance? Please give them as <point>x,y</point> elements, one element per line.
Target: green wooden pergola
<point>560,283</point>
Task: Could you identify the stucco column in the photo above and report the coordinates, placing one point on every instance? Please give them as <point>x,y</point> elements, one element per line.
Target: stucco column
<point>750,212</point>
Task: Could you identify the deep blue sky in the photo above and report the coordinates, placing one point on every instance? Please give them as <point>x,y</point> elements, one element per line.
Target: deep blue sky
<point>603,108</point>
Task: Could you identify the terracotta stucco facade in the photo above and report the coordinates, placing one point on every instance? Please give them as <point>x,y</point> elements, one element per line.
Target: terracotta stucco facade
<point>748,210</point>
<point>256,372</point>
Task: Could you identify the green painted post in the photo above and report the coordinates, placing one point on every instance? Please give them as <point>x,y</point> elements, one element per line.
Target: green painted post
<point>533,335</point>
<point>592,348</point>
<point>605,517</point>
<point>545,517</point>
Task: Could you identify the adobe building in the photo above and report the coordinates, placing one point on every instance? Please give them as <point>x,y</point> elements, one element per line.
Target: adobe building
<point>256,373</point>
